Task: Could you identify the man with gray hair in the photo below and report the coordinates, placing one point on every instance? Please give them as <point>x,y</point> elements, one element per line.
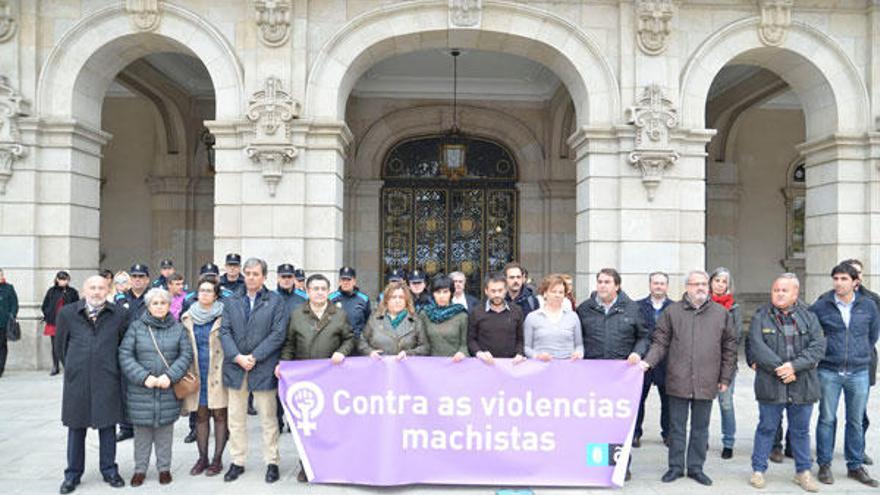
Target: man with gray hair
<point>699,338</point>
<point>785,343</point>
<point>252,333</point>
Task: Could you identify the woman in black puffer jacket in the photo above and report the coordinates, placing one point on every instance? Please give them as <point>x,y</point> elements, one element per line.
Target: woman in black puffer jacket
<point>152,406</point>
<point>60,294</point>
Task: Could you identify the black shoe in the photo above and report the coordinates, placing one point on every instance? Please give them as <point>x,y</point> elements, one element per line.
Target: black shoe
<point>862,476</point>
<point>727,453</point>
<point>637,442</point>
<point>666,441</point>
<point>825,475</point>
<point>54,370</point>
<point>301,476</point>
<point>251,410</point>
<point>233,473</point>
<point>114,480</point>
<point>701,478</point>
<point>788,453</point>
<point>629,475</point>
<point>191,437</point>
<point>272,473</point>
<point>124,435</point>
<point>68,486</point>
<point>671,475</point>
<point>867,461</point>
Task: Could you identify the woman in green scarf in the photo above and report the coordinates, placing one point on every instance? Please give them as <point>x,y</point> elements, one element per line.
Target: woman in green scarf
<point>446,324</point>
<point>395,328</point>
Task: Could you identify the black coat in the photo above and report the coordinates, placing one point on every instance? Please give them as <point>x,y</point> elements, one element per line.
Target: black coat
<point>92,394</point>
<point>615,335</point>
<point>767,349</point>
<point>53,295</point>
<point>656,374</point>
<point>261,335</point>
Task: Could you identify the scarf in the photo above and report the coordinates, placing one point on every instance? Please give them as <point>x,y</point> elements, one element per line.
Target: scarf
<point>156,323</point>
<point>202,316</point>
<point>726,300</point>
<point>397,320</point>
<point>439,314</point>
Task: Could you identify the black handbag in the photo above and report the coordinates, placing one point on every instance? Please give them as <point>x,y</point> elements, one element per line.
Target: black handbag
<point>13,330</point>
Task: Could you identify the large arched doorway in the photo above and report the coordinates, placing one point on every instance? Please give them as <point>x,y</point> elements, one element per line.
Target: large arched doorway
<point>449,205</point>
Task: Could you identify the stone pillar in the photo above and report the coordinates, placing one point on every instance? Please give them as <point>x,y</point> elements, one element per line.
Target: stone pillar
<point>362,234</point>
<point>838,223</point>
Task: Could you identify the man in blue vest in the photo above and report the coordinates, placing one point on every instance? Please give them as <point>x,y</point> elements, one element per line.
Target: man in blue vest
<point>355,303</point>
<point>232,279</point>
<point>299,276</point>
<point>287,287</point>
<point>166,269</point>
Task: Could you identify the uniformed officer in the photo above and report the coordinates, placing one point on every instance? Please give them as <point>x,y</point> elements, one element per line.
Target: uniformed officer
<point>133,302</point>
<point>232,279</point>
<point>300,283</point>
<point>355,303</point>
<point>396,275</point>
<point>287,288</point>
<point>417,285</point>
<point>166,268</point>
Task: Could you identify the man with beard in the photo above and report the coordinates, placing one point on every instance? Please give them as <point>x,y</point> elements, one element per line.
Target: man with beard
<point>517,291</point>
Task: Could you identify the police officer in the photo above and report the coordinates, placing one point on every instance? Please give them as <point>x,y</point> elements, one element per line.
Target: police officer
<point>355,303</point>
<point>300,283</point>
<point>417,285</point>
<point>133,302</point>
<point>396,275</point>
<point>166,268</point>
<point>286,287</point>
<point>232,279</point>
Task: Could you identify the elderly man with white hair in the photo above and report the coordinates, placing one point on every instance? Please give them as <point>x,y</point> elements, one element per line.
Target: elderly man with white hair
<point>89,332</point>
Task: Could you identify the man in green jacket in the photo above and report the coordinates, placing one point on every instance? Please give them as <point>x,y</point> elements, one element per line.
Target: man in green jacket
<point>8,309</point>
<point>317,330</point>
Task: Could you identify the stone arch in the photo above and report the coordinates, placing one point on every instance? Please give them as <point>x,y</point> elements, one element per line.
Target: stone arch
<point>834,96</point>
<point>423,24</point>
<point>396,126</point>
<point>85,60</point>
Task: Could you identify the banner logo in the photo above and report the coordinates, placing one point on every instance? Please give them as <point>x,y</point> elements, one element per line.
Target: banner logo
<point>305,400</point>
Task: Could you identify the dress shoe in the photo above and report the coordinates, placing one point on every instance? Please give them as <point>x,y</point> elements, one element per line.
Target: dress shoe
<point>233,473</point>
<point>825,475</point>
<point>862,476</point>
<point>671,475</point>
<point>251,410</point>
<point>272,473</point>
<point>137,479</point>
<point>629,475</point>
<point>68,486</point>
<point>867,461</point>
<point>114,480</point>
<point>124,435</point>
<point>727,453</point>
<point>701,478</point>
<point>214,469</point>
<point>637,442</point>
<point>301,476</point>
<point>54,370</point>
<point>164,477</point>
<point>666,441</point>
<point>199,467</point>
<point>190,437</point>
<point>776,456</point>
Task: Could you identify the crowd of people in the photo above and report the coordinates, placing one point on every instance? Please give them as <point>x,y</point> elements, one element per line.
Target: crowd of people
<point>128,345</point>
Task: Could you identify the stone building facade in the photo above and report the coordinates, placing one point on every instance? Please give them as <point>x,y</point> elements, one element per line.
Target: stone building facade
<point>644,135</point>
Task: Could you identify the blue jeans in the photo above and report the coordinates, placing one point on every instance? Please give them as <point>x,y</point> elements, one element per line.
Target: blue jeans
<point>855,396</point>
<point>728,417</point>
<point>798,430</point>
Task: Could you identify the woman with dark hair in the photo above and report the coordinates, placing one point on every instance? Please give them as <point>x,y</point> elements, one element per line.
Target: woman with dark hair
<point>395,328</point>
<point>57,296</point>
<point>721,290</point>
<point>446,324</point>
<point>202,322</point>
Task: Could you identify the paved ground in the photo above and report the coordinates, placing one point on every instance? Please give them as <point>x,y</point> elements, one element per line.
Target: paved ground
<point>32,453</point>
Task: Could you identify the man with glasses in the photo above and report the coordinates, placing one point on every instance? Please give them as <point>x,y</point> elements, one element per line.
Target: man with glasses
<point>699,338</point>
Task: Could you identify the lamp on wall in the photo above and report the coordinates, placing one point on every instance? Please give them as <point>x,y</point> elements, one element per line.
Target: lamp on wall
<point>453,151</point>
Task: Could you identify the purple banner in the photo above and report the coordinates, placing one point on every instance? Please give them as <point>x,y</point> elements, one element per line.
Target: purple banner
<point>430,420</point>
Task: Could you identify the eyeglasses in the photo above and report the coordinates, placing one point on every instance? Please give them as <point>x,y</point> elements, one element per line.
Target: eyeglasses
<point>698,284</point>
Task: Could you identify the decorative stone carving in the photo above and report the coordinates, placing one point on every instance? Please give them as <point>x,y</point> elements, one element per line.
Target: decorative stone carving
<point>270,109</point>
<point>653,116</point>
<point>653,28</point>
<point>144,14</point>
<point>7,21</point>
<point>273,19</point>
<point>12,106</point>
<point>465,13</point>
<point>775,20</point>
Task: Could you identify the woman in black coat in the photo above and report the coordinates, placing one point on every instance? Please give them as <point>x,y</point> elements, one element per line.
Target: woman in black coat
<point>57,297</point>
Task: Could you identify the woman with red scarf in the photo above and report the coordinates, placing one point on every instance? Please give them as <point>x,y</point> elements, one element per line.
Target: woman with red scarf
<point>56,297</point>
<point>721,286</point>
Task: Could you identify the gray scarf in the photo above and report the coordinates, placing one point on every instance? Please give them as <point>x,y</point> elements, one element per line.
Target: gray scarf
<point>201,316</point>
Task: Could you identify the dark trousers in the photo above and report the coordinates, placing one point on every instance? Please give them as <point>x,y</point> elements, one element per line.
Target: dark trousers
<point>76,452</point>
<point>696,446</point>
<point>4,350</point>
<point>192,420</point>
<point>664,407</point>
